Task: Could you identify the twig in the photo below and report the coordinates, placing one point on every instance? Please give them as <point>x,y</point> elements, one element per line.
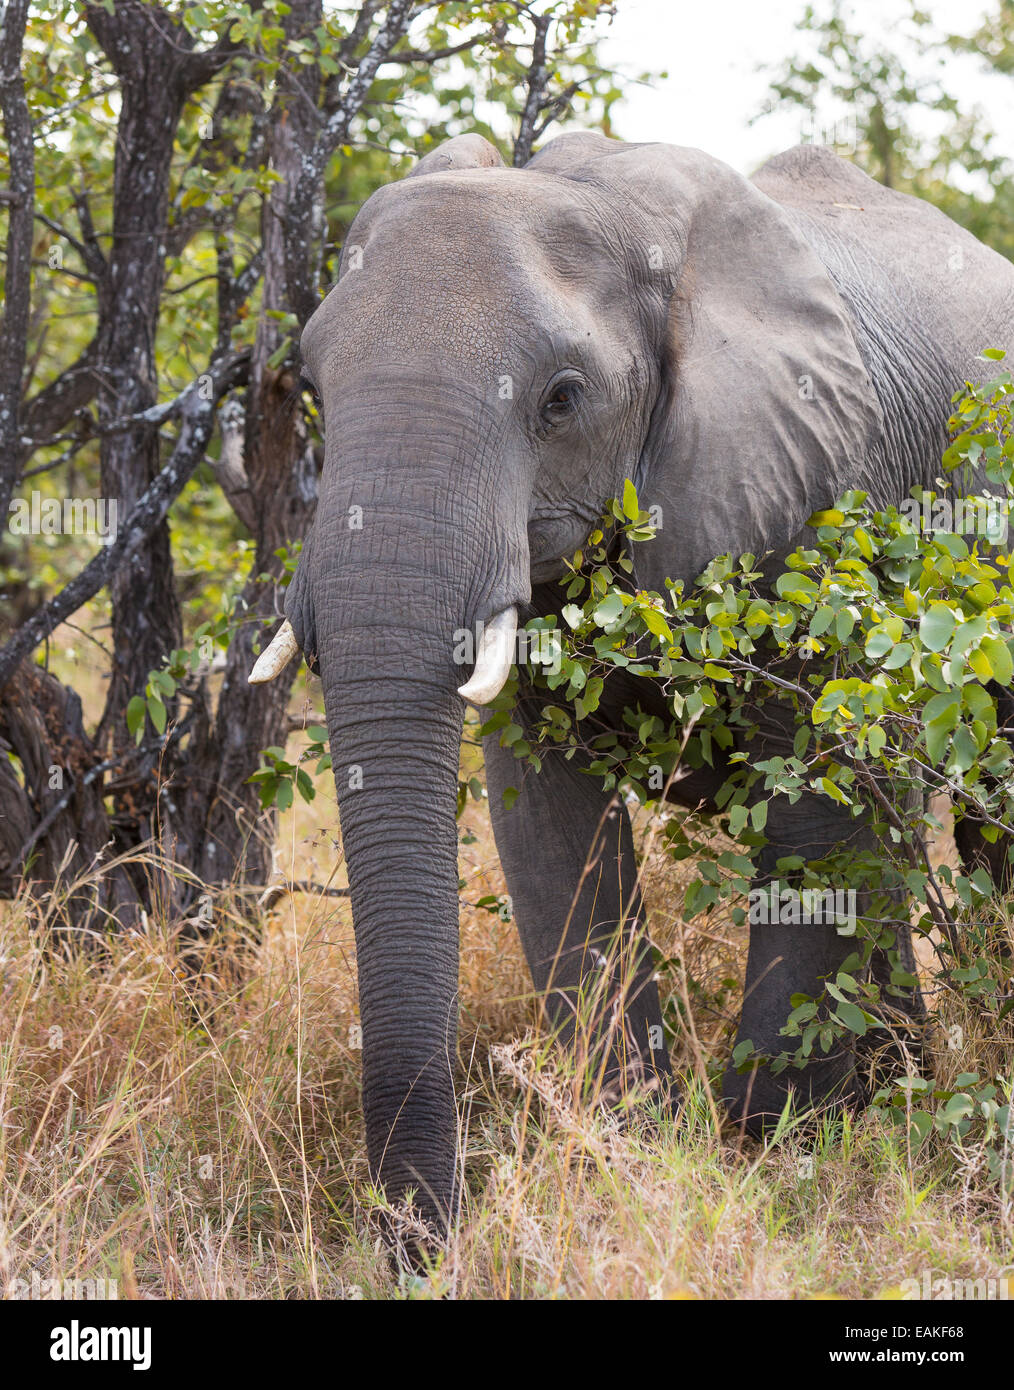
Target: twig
<point>271,894</point>
<point>535,98</point>
<point>197,407</point>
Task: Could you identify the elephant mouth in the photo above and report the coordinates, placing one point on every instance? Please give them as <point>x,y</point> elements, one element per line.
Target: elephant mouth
<point>548,571</point>
<point>552,540</point>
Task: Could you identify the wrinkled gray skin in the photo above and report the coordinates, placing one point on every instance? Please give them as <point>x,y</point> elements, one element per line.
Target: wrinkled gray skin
<point>744,351</point>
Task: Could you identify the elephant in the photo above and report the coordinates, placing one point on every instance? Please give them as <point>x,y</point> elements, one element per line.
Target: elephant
<point>503,347</point>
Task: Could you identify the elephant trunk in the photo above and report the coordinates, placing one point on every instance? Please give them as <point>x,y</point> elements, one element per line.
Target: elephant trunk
<point>413,543</point>
<point>396,774</point>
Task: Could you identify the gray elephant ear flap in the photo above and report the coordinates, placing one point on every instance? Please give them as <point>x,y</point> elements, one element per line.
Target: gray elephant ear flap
<point>765,411</point>
<point>460,152</point>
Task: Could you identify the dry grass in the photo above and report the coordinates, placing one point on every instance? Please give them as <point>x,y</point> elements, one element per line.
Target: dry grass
<point>200,1136</point>
<point>197,1134</point>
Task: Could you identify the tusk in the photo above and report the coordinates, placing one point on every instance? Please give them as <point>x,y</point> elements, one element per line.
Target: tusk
<point>276,656</point>
<point>494,660</point>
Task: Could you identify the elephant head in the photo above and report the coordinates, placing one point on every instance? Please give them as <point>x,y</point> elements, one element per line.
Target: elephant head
<point>502,349</point>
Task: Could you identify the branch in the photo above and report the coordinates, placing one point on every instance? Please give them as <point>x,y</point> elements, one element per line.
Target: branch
<point>71,240</point>
<point>50,409</point>
<point>554,107</point>
<point>299,723</point>
<point>240,288</point>
<point>94,258</point>
<point>269,896</point>
<point>197,407</point>
<point>341,108</point>
<point>400,14</point>
<point>77,443</point>
<point>130,28</point>
<point>18,862</point>
<point>350,47</point>
<point>535,99</point>
<point>229,469</point>
<point>935,900</point>
<point>20,199</point>
<point>433,55</point>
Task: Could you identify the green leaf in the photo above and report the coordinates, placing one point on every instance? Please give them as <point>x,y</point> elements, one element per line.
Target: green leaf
<point>920,1126</point>
<point>834,792</point>
<point>655,623</point>
<point>630,507</point>
<point>135,716</point>
<point>965,748</point>
<point>999,658</point>
<point>608,611</point>
<point>980,664</point>
<point>958,1108</point>
<point>936,628</point>
<point>157,713</point>
<point>938,736</point>
<point>853,1017</point>
<point>876,740</point>
<point>899,655</point>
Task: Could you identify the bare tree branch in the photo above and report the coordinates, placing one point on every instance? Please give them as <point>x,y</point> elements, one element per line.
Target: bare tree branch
<point>343,105</point>
<point>197,406</point>
<point>21,220</point>
<point>49,411</point>
<point>131,28</point>
<point>433,55</point>
<point>535,98</point>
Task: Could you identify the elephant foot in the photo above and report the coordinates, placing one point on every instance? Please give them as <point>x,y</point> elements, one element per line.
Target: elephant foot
<point>755,1100</point>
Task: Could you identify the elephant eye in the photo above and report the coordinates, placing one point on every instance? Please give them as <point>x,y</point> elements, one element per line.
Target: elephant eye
<point>561,400</point>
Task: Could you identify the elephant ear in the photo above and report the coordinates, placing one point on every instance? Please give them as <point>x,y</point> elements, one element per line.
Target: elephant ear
<point>460,152</point>
<point>765,410</point>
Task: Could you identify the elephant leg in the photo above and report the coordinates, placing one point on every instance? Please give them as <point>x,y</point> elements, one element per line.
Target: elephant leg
<point>975,852</point>
<point>784,960</point>
<point>883,1056</point>
<point>568,855</point>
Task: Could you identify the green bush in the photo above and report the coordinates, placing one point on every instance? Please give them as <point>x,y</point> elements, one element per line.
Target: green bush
<point>889,637</point>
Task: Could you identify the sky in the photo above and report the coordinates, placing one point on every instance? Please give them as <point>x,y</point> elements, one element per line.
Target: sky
<point>711,52</point>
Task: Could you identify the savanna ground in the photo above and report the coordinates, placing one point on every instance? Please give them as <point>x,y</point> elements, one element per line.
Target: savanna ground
<point>185,1120</point>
